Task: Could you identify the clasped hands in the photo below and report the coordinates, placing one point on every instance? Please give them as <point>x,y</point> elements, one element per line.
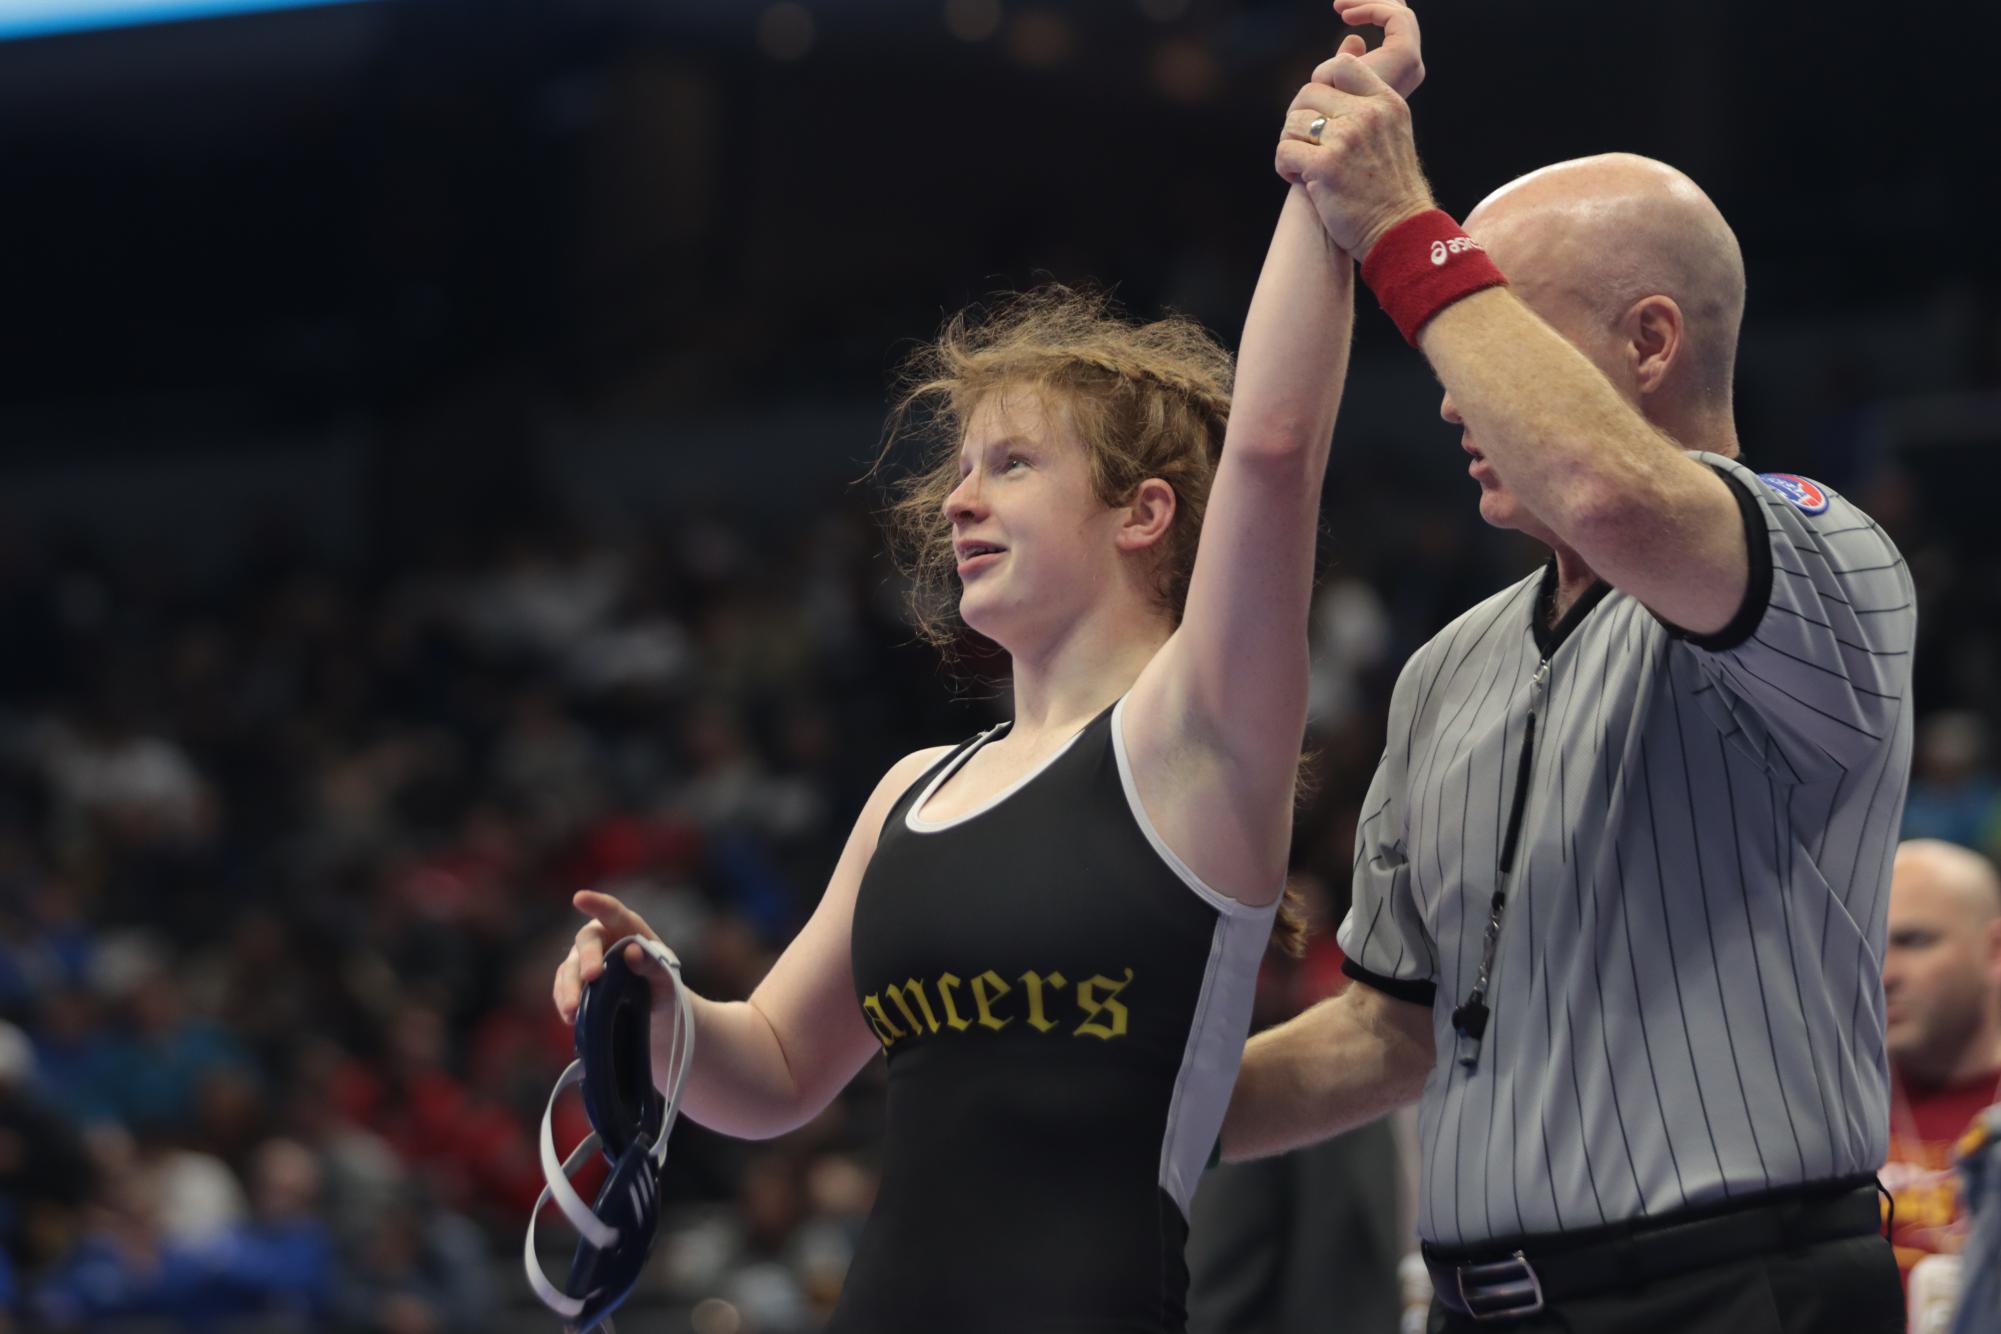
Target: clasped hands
<point>1347,136</point>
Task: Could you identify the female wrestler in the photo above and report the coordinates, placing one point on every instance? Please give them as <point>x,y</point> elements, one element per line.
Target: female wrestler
<point>1053,928</point>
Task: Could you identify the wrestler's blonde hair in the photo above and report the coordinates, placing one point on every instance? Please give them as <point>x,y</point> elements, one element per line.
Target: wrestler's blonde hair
<point>1147,399</point>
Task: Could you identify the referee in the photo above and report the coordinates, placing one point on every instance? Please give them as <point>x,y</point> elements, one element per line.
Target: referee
<point>1620,880</point>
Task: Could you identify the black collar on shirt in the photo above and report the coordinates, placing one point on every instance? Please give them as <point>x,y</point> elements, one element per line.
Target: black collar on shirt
<point>1547,639</point>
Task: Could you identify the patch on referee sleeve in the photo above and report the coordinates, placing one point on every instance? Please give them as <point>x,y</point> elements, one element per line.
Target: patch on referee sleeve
<point>1801,493</point>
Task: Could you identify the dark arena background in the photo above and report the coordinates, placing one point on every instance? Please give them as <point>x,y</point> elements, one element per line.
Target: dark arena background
<point>433,439</point>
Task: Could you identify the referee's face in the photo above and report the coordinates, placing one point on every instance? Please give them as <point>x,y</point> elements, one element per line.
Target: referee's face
<point>1498,505</point>
<point>1537,256</point>
<point>1515,254</point>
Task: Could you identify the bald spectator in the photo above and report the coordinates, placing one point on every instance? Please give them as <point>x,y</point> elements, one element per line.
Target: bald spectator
<point>1942,980</point>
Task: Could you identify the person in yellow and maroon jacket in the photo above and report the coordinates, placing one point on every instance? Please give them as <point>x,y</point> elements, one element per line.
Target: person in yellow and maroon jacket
<point>1942,982</point>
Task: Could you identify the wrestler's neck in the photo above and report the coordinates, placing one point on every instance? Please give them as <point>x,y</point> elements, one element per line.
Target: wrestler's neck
<point>1061,680</point>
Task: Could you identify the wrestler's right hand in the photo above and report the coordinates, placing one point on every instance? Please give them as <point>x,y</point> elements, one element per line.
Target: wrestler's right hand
<point>1399,60</point>
<point>610,921</point>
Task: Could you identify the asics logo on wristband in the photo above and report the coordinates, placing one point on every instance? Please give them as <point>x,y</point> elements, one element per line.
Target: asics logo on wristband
<point>1424,264</point>
<point>1444,250</point>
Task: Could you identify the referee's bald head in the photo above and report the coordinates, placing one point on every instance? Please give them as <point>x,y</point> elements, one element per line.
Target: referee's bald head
<point>1942,967</point>
<point>1633,263</point>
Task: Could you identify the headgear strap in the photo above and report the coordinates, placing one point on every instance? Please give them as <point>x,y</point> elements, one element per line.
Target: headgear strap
<point>630,1122</point>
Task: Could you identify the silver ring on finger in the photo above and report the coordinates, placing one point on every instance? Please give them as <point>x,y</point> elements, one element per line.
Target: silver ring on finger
<point>1314,128</point>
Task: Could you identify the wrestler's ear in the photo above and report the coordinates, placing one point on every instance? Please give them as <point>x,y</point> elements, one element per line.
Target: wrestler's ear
<point>1148,516</point>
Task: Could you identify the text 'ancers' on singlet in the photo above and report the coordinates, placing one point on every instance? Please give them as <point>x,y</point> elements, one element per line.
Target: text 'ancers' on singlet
<point>1064,1005</point>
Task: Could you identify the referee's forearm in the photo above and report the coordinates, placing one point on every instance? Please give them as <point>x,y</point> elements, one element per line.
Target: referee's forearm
<point>1342,1064</point>
<point>1582,458</point>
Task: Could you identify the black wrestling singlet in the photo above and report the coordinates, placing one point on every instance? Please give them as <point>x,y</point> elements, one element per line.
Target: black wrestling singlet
<point>1064,1005</point>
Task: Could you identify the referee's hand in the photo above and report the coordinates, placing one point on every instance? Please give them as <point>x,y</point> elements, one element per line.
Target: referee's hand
<point>610,920</point>
<point>1347,139</point>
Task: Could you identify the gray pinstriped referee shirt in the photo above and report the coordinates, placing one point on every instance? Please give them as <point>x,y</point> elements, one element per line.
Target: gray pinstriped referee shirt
<point>1686,1000</point>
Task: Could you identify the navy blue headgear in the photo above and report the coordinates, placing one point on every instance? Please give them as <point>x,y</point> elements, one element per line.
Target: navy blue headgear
<point>630,1121</point>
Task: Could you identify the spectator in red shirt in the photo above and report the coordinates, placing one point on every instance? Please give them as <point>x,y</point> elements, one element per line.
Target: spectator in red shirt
<point>470,1151</point>
<point>1942,980</point>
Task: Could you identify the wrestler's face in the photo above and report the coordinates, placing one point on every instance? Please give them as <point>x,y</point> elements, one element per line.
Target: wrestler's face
<point>1032,540</point>
<point>1531,253</point>
<point>1938,970</point>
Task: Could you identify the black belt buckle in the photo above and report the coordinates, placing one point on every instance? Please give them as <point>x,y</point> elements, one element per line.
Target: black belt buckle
<point>1499,1290</point>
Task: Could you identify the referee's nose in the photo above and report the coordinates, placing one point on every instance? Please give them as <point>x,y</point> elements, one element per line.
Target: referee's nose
<point>1450,413</point>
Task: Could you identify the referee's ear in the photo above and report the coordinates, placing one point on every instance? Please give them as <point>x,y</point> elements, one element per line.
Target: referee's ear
<point>1654,333</point>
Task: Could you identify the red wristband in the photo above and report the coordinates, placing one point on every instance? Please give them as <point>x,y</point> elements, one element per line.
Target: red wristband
<point>1424,264</point>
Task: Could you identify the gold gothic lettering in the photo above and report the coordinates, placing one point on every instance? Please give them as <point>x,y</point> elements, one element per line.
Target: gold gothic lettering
<point>907,1009</point>
<point>1034,981</point>
<point>878,1019</point>
<point>947,984</point>
<point>915,991</point>
<point>990,979</point>
<point>1087,999</point>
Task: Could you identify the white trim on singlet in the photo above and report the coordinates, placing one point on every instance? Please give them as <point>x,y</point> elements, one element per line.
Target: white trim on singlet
<point>1222,1018</point>
<point>1216,898</point>
<point>1215,1049</point>
<point>916,824</point>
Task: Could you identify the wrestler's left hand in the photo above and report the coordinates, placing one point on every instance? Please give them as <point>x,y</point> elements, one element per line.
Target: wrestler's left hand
<point>1363,175</point>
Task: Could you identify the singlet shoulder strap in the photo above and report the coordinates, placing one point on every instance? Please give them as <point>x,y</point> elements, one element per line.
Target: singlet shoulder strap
<point>922,783</point>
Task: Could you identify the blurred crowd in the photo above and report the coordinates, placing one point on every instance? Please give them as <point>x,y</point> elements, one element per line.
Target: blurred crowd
<point>286,854</point>
<point>285,861</point>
